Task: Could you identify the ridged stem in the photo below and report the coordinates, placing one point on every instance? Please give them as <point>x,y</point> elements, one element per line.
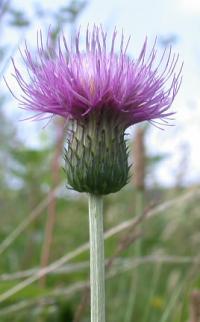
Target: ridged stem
<point>97,266</point>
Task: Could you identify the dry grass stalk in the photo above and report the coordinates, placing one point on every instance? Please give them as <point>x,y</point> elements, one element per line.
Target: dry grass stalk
<point>195,306</point>
<point>55,168</point>
<point>139,159</point>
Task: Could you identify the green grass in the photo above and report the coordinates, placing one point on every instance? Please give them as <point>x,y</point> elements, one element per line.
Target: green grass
<point>161,289</point>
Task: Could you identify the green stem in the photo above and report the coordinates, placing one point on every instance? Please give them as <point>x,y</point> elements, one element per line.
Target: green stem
<point>97,266</point>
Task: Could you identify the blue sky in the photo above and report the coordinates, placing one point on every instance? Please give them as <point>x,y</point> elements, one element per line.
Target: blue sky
<point>150,18</point>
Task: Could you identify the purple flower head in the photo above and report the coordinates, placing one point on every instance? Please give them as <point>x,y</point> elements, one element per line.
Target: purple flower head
<point>75,84</point>
<point>101,91</point>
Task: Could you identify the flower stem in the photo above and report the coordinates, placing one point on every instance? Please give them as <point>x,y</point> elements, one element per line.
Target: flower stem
<point>97,266</point>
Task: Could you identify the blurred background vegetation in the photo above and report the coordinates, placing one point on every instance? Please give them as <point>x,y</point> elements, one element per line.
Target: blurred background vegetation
<point>153,240</point>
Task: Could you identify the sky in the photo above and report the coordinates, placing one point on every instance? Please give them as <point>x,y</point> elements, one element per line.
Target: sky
<point>151,18</point>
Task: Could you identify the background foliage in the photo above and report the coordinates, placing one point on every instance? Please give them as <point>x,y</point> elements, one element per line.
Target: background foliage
<point>152,268</point>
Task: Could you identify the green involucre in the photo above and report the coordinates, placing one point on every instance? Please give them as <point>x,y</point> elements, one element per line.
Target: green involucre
<point>96,158</point>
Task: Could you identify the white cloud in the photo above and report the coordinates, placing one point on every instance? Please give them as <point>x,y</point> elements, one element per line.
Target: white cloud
<point>189,6</point>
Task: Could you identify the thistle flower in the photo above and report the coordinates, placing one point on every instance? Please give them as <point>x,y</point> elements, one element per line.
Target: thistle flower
<point>101,92</point>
